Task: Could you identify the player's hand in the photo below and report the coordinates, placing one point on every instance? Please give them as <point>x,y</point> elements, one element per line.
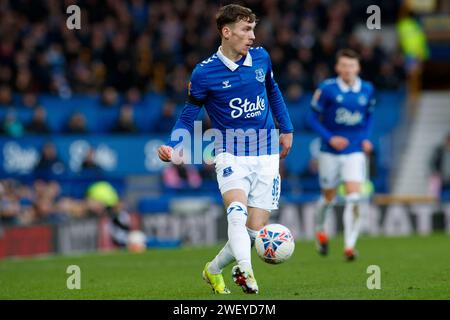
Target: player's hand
<point>339,143</point>
<point>165,153</point>
<point>367,146</point>
<point>286,144</point>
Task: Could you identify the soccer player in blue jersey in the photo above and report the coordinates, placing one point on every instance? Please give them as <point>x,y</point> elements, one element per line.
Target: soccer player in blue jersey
<point>341,114</point>
<point>237,88</point>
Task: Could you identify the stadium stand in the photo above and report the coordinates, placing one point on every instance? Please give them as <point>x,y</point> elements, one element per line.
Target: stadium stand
<point>140,53</point>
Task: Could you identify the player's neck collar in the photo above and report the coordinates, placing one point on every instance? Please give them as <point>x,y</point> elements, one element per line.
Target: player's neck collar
<point>248,62</point>
<point>346,88</point>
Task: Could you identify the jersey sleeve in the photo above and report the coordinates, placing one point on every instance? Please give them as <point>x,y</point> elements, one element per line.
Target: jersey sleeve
<point>318,103</point>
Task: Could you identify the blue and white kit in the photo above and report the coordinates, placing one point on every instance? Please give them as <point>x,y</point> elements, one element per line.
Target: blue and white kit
<point>341,110</point>
<point>241,96</point>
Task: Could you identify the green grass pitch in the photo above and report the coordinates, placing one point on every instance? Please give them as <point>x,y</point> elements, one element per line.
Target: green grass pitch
<point>413,267</point>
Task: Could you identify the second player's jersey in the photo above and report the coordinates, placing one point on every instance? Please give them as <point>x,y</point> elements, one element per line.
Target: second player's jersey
<point>235,95</point>
<point>344,111</point>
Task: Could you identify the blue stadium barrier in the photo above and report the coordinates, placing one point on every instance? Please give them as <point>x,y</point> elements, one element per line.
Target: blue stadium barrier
<point>153,205</point>
<point>135,154</point>
<point>155,242</point>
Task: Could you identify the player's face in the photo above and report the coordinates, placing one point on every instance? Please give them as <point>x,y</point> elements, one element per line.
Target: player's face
<point>347,68</point>
<point>241,36</point>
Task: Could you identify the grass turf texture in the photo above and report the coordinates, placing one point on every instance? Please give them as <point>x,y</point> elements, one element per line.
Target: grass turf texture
<point>412,267</point>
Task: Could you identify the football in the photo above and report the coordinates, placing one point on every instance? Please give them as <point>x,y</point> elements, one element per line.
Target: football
<point>274,243</point>
<point>136,241</point>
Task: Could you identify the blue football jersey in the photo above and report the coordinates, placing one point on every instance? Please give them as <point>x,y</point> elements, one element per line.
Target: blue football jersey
<point>240,96</point>
<point>344,111</point>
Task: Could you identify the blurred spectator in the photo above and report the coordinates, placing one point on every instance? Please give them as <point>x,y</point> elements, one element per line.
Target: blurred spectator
<point>38,124</point>
<point>413,42</point>
<point>167,118</point>
<point>6,99</point>
<point>90,165</point>
<point>293,82</point>
<point>100,196</point>
<point>125,123</point>
<point>181,177</point>
<point>388,78</point>
<point>154,45</point>
<point>294,93</point>
<point>177,84</point>
<point>440,168</point>
<point>49,163</point>
<point>29,100</point>
<point>110,97</point>
<point>120,224</point>
<point>9,204</point>
<point>11,125</point>
<point>133,96</point>
<point>208,172</point>
<point>369,62</point>
<point>77,124</point>
<point>45,209</point>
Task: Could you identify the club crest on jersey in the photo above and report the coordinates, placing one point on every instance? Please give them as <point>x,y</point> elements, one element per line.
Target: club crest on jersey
<point>339,98</point>
<point>260,75</point>
<point>362,100</point>
<point>226,84</point>
<point>227,172</point>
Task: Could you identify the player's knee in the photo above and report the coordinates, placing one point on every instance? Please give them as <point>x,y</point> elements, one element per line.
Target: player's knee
<point>352,187</point>
<point>329,195</point>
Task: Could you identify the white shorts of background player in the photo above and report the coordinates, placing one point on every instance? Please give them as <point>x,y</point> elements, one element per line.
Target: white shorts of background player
<point>337,168</point>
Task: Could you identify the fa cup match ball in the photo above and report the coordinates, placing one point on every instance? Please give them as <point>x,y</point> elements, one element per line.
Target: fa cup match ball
<point>136,241</point>
<point>274,243</point>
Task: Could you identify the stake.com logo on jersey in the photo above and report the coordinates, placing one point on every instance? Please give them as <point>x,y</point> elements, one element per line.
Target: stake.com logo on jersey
<point>251,109</point>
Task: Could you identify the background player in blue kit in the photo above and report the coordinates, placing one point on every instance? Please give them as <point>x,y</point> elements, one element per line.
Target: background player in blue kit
<point>237,88</point>
<point>341,114</point>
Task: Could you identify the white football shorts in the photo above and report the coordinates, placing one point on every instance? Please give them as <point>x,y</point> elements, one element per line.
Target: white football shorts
<point>258,176</point>
<point>335,168</point>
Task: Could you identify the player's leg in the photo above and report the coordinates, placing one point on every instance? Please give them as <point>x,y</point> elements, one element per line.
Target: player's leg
<point>235,201</point>
<point>324,206</point>
<point>244,276</point>
<point>225,256</point>
<point>353,175</point>
<point>234,187</point>
<point>263,197</point>
<point>238,246</point>
<point>329,167</point>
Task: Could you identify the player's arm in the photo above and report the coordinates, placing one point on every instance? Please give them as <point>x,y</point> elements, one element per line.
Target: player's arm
<point>318,105</point>
<point>279,109</point>
<point>196,99</point>
<point>366,143</point>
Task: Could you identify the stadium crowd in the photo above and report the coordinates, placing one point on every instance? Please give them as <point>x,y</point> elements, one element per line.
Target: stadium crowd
<point>125,49</point>
<point>137,46</point>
